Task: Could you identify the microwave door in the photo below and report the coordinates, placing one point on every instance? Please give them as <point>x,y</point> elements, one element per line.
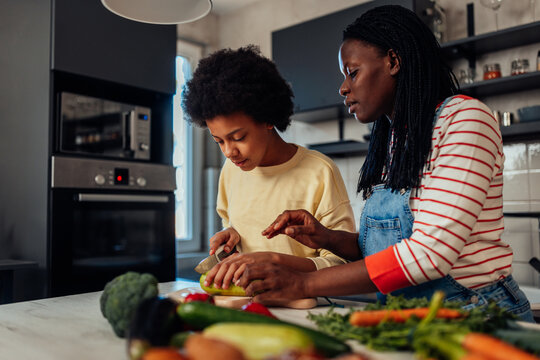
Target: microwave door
<point>127,128</point>
<point>93,135</point>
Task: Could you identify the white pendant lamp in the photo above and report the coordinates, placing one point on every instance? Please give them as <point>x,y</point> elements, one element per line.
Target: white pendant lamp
<point>160,11</point>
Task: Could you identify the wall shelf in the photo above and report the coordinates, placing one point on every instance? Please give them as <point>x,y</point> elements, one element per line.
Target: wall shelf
<point>521,131</point>
<point>494,41</point>
<point>503,85</point>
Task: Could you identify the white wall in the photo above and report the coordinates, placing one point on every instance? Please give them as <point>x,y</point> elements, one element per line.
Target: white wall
<point>255,23</point>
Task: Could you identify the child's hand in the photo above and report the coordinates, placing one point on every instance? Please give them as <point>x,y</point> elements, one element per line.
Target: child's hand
<point>231,269</point>
<point>229,237</point>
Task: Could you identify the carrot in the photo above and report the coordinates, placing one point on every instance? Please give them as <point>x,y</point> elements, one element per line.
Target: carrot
<point>374,317</point>
<point>163,353</point>
<point>493,348</point>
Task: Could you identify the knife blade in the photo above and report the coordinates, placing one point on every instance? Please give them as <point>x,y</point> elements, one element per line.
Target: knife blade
<point>211,261</point>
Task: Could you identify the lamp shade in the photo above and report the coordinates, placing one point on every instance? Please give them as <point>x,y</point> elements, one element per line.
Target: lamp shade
<point>160,11</point>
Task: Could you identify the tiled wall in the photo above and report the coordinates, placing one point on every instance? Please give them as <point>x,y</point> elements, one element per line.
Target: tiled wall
<point>521,193</point>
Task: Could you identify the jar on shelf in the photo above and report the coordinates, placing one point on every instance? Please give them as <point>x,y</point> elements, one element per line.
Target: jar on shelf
<point>492,71</point>
<point>520,66</point>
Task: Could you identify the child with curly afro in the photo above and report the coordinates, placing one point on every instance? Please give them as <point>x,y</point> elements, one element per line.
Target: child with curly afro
<point>242,99</point>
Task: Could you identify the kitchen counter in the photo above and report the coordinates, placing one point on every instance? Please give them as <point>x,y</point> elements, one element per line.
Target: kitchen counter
<point>72,327</point>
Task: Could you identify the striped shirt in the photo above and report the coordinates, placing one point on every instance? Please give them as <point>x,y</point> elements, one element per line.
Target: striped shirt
<point>458,215</point>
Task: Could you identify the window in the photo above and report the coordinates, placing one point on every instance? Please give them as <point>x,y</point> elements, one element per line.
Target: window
<point>182,160</point>
<point>186,158</point>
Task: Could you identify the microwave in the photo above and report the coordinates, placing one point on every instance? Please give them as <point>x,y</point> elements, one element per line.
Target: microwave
<point>98,127</point>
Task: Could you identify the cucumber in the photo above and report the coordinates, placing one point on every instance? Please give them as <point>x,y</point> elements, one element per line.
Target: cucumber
<point>200,315</point>
<point>233,290</point>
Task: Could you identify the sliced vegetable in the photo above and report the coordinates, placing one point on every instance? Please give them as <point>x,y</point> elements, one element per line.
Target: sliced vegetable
<point>257,308</point>
<point>199,315</point>
<point>233,290</point>
<point>260,341</point>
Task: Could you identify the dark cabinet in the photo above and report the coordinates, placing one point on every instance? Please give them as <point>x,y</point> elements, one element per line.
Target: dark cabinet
<point>67,45</point>
<point>89,40</point>
<point>307,56</point>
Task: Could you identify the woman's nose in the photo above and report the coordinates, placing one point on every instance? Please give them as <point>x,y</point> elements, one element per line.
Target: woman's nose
<point>344,88</point>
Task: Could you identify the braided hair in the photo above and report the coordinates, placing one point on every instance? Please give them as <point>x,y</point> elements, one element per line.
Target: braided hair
<point>424,80</point>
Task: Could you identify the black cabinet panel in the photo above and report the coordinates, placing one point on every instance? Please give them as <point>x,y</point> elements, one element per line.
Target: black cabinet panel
<point>91,41</point>
<point>307,54</point>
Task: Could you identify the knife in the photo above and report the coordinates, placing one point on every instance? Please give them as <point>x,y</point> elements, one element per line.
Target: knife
<point>211,261</point>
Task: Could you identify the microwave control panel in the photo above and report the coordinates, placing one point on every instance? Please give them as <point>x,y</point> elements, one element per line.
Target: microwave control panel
<point>82,173</point>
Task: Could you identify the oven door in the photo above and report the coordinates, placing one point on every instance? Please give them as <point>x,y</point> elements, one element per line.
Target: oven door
<point>97,235</point>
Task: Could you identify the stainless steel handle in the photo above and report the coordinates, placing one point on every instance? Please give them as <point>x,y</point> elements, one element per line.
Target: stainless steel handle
<point>122,198</point>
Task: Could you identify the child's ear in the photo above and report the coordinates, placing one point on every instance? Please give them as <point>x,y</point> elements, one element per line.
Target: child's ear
<point>269,126</point>
<point>394,62</point>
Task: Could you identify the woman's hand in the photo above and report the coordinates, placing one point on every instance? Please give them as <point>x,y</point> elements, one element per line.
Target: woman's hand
<point>301,226</point>
<point>230,237</point>
<point>231,268</point>
<point>267,282</point>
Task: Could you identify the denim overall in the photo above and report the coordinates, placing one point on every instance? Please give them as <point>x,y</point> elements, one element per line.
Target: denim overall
<point>387,218</point>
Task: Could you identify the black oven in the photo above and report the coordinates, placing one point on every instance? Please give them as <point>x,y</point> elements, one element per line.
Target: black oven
<point>109,217</point>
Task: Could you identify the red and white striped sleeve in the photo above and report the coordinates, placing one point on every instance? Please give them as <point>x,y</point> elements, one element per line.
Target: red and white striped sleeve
<point>466,158</point>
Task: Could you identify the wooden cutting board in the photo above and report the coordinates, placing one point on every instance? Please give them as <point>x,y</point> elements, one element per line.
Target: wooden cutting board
<point>236,302</point>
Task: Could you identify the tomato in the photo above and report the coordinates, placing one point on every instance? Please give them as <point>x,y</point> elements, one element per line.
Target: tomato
<point>203,297</point>
<point>258,309</point>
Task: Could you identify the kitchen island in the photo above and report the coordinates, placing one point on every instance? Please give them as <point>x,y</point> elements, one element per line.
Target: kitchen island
<point>72,327</point>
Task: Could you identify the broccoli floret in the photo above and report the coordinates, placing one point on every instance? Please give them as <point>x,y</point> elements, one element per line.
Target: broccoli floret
<point>122,295</point>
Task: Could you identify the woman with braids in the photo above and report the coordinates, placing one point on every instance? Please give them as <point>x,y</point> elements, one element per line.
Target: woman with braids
<point>432,179</point>
<point>242,99</point>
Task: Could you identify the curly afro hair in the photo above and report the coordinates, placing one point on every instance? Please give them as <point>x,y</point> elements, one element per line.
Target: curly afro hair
<point>230,81</point>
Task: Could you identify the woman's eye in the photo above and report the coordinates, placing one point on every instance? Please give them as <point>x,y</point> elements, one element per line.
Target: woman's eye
<point>353,74</point>
<point>240,139</point>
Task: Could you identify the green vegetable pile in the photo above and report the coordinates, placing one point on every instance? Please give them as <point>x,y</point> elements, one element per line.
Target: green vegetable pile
<point>121,297</point>
<point>430,337</point>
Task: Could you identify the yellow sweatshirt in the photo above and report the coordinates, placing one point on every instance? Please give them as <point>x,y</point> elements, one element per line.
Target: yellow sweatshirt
<point>249,201</point>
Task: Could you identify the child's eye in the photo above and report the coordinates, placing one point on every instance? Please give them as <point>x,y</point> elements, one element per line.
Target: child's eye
<point>353,74</point>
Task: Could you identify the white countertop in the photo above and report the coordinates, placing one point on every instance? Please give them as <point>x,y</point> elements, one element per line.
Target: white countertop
<point>72,327</point>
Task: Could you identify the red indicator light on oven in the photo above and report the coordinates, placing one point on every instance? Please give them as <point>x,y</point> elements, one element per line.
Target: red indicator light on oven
<point>121,176</point>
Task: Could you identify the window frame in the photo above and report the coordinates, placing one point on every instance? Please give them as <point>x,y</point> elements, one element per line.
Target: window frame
<point>193,53</point>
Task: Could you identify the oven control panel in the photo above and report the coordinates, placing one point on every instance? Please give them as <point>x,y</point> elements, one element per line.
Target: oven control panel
<point>83,173</point>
